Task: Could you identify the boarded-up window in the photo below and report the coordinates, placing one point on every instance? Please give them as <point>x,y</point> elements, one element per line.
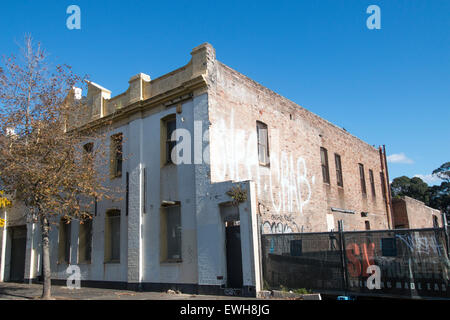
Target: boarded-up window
<point>64,241</point>
<point>325,167</point>
<point>362,178</point>
<point>171,233</point>
<point>263,143</point>
<point>85,241</point>
<point>339,178</point>
<point>112,236</point>
<point>116,155</point>
<point>372,182</point>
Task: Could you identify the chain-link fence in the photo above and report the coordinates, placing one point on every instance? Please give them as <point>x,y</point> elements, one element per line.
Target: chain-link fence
<point>403,263</point>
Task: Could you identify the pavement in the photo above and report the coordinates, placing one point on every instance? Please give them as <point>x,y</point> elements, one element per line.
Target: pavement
<point>23,291</point>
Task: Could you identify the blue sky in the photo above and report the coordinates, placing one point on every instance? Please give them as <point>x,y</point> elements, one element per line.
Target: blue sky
<point>389,86</point>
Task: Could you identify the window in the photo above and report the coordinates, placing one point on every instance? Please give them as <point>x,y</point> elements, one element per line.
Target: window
<point>112,236</point>
<point>340,181</point>
<point>116,155</point>
<point>296,248</point>
<point>263,143</point>
<point>435,222</point>
<point>88,147</point>
<point>388,247</point>
<point>87,155</point>
<point>170,125</point>
<point>367,224</point>
<point>325,168</point>
<point>64,241</point>
<point>171,233</point>
<point>85,241</point>
<point>362,178</point>
<point>383,185</point>
<point>372,182</point>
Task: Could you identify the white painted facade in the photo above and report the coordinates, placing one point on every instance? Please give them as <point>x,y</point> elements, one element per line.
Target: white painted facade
<point>203,267</point>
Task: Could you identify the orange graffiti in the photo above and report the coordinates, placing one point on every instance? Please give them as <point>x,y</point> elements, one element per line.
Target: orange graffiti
<point>359,259</point>
<point>354,266</point>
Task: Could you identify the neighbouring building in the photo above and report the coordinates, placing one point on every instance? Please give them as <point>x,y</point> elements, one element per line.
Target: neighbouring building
<point>409,213</point>
<point>177,226</point>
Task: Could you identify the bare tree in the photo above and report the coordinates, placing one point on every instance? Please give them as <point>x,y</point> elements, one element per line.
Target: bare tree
<point>45,160</point>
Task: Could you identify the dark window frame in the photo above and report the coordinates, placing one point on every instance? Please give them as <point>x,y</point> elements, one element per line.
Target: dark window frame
<point>325,165</point>
<point>87,258</point>
<point>170,125</point>
<point>263,146</point>
<point>64,239</point>
<point>362,178</point>
<point>117,155</point>
<point>113,216</point>
<point>339,174</point>
<point>372,183</point>
<point>88,149</point>
<point>173,237</point>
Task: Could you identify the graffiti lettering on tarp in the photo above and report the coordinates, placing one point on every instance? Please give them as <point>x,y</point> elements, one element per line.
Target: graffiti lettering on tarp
<point>425,269</point>
<point>421,244</point>
<point>359,257</point>
<point>374,280</point>
<point>404,284</point>
<point>400,272</point>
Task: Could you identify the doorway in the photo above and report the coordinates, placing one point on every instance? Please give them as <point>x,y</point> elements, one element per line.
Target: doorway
<point>18,249</point>
<point>234,254</point>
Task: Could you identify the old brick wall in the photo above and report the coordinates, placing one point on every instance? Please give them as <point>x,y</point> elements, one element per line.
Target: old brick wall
<point>415,213</point>
<point>399,214</point>
<point>291,193</point>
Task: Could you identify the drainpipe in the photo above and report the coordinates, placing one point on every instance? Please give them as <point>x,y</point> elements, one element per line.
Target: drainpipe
<point>387,187</point>
<point>388,184</point>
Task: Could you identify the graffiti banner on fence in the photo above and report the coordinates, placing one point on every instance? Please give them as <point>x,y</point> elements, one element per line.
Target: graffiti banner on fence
<point>406,263</point>
<point>411,263</point>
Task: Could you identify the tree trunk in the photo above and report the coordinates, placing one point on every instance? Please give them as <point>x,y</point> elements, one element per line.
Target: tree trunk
<point>46,290</point>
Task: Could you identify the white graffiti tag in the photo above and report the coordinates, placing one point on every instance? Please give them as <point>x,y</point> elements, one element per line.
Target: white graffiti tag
<point>286,179</point>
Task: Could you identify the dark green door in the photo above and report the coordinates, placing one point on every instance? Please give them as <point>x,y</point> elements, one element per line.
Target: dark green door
<point>234,257</point>
<point>18,248</point>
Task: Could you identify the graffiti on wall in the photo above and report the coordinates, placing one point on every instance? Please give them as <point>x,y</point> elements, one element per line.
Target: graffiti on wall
<point>285,185</point>
<point>274,227</point>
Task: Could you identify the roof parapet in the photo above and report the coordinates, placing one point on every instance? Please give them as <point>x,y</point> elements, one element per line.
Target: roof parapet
<point>136,89</point>
<point>99,103</point>
<point>202,56</point>
<point>96,98</point>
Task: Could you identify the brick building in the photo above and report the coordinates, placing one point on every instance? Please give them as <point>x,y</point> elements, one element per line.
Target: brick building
<point>178,227</point>
<point>409,213</point>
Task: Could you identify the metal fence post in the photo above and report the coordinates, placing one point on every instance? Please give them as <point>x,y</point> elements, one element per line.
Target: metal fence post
<point>260,252</point>
<point>343,256</point>
<point>445,227</point>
